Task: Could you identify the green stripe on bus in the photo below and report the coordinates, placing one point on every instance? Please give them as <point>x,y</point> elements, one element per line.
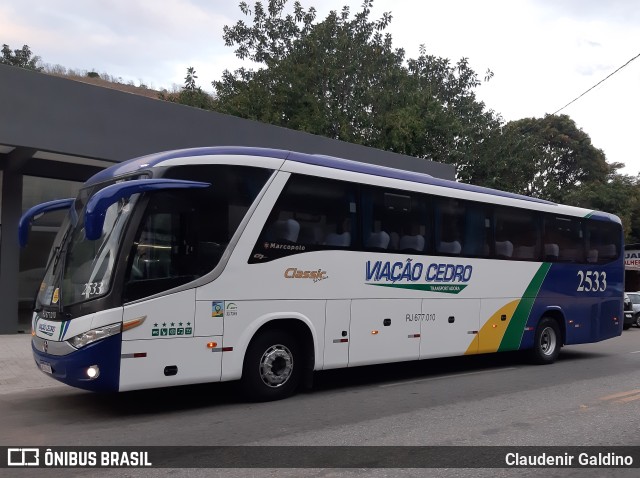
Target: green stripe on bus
<point>61,331</point>
<point>445,289</point>
<point>588,215</point>
<point>513,334</point>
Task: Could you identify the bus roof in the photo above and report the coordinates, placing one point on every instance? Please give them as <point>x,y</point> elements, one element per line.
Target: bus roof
<point>152,160</point>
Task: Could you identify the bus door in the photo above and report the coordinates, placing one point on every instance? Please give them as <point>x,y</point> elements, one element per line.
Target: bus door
<point>174,344</point>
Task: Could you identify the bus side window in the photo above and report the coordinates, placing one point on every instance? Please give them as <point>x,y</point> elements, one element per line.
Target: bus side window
<point>517,234</point>
<point>563,239</point>
<point>602,241</point>
<point>311,214</point>
<point>394,220</point>
<point>153,250</point>
<point>285,230</point>
<point>162,253</point>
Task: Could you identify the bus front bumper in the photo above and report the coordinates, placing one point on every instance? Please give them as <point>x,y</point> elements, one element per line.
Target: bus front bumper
<point>95,367</point>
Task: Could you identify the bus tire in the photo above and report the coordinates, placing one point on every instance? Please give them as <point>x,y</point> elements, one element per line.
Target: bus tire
<point>272,366</point>
<point>547,342</point>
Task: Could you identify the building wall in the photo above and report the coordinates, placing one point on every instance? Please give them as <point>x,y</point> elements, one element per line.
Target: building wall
<point>56,114</point>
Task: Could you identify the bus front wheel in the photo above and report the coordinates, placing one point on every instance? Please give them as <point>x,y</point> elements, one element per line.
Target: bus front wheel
<point>272,366</point>
<point>547,342</point>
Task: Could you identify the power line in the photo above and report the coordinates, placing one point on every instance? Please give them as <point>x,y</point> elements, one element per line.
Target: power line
<point>601,81</point>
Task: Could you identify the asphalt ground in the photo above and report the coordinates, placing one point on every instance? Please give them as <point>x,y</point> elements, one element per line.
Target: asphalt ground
<point>18,371</point>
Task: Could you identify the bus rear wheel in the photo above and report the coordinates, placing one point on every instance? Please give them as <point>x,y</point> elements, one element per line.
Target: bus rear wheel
<point>547,342</point>
<point>272,366</point>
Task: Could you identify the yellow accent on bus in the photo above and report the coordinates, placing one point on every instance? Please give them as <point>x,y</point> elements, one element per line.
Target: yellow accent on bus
<point>488,339</point>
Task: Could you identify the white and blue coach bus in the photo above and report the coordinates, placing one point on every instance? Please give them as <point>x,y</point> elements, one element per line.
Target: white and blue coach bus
<point>262,265</point>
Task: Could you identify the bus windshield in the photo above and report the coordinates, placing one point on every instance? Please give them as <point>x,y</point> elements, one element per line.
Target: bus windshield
<point>80,269</point>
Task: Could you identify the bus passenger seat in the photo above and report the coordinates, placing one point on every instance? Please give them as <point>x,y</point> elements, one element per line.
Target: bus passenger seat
<point>504,248</point>
<point>378,240</point>
<point>412,243</point>
<point>339,240</point>
<point>592,256</point>
<point>286,230</point>
<point>453,247</point>
<point>551,252</point>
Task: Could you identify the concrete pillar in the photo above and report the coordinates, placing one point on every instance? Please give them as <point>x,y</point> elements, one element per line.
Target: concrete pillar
<point>10,251</point>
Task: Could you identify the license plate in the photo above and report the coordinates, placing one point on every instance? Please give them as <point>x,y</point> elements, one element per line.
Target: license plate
<point>627,316</point>
<point>45,367</point>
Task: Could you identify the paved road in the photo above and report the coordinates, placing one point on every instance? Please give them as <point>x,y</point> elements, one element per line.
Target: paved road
<point>591,396</point>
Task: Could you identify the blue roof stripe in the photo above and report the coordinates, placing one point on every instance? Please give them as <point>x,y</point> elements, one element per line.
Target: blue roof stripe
<point>151,160</point>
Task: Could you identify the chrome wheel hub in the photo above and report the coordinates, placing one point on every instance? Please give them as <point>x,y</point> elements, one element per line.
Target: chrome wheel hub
<point>276,366</point>
<point>548,341</point>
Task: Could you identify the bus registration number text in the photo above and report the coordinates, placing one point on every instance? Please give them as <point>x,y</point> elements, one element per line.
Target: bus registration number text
<point>421,317</point>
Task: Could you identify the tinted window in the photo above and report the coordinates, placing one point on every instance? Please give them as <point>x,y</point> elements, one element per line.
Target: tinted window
<point>310,214</point>
<point>603,241</point>
<point>516,234</point>
<point>563,239</point>
<point>184,233</point>
<point>318,214</point>
<point>395,221</point>
<point>461,228</point>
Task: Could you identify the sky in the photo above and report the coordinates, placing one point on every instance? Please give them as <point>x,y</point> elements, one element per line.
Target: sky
<point>543,53</point>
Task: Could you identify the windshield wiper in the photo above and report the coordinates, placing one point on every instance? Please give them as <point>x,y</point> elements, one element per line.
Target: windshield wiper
<point>59,249</point>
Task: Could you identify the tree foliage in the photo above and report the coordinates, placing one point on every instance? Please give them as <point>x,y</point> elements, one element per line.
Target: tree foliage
<point>542,157</point>
<point>190,94</point>
<point>618,194</point>
<point>22,58</point>
<point>342,78</point>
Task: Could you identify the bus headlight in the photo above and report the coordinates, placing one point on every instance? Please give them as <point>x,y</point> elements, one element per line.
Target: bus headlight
<point>94,335</point>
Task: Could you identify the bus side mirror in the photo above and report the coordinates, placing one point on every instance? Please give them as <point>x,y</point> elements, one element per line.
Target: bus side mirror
<point>36,211</point>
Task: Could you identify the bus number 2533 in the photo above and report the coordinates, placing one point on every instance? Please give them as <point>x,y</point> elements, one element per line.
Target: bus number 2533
<point>592,281</point>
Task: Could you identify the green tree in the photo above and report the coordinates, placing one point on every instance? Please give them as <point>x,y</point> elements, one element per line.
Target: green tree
<point>543,157</point>
<point>321,78</point>
<point>22,58</point>
<point>342,78</point>
<point>190,79</point>
<point>190,94</point>
<point>618,194</point>
<point>503,158</point>
<point>455,125</point>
